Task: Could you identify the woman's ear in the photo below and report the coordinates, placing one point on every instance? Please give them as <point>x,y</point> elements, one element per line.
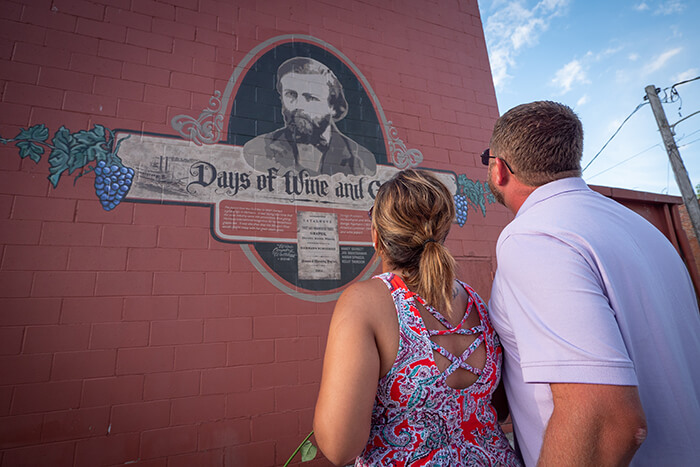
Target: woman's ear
<point>375,237</point>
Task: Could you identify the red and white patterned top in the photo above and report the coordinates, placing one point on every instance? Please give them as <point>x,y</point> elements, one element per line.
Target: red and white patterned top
<point>417,418</point>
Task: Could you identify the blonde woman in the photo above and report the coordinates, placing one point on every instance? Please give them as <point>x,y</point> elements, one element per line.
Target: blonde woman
<point>412,361</point>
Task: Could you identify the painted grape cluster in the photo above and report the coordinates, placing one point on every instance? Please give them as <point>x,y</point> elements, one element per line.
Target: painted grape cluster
<point>462,209</point>
<point>112,183</point>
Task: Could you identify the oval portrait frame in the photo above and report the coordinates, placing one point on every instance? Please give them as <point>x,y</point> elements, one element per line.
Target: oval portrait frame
<point>366,123</point>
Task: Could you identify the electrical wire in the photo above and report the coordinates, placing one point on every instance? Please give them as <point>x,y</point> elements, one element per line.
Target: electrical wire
<point>688,143</point>
<point>685,81</point>
<point>622,162</point>
<point>645,150</point>
<point>674,95</point>
<point>616,132</point>
<point>686,136</point>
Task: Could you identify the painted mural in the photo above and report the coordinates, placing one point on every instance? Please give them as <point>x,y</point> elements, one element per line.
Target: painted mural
<point>290,178</point>
<point>84,151</point>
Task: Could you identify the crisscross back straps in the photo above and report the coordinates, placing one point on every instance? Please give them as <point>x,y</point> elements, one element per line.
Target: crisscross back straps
<point>461,361</point>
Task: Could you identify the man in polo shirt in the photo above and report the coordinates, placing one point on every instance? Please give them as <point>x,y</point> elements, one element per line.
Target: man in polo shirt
<point>595,310</point>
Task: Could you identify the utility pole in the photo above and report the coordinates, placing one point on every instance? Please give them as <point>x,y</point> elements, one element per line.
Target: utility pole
<point>687,192</point>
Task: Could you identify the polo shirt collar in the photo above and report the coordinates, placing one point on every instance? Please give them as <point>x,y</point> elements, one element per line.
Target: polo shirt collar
<point>551,189</point>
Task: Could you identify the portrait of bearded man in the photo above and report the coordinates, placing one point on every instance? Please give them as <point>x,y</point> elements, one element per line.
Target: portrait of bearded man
<point>312,102</point>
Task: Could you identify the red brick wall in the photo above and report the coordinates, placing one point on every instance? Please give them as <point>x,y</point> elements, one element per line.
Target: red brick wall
<point>133,336</point>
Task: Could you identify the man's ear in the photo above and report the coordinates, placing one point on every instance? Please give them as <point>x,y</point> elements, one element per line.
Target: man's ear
<point>500,173</point>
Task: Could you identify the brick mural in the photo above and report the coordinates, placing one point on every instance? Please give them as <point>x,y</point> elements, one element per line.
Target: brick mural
<point>183,195</point>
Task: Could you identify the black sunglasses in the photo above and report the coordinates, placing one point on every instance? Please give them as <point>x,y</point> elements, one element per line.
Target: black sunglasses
<point>486,155</point>
<point>369,213</point>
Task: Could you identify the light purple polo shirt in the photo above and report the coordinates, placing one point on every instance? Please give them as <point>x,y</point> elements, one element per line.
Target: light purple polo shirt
<point>587,291</point>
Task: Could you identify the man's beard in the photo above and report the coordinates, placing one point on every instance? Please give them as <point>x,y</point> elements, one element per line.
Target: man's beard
<point>497,194</point>
<point>304,128</point>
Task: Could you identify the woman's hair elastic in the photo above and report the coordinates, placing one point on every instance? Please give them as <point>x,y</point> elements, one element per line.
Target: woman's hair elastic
<point>429,240</point>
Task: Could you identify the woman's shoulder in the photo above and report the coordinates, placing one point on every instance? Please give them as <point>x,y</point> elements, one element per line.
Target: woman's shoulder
<point>365,300</point>
<point>469,290</point>
<point>364,291</point>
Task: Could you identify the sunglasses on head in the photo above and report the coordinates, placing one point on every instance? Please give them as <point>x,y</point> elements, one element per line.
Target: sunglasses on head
<point>486,155</point>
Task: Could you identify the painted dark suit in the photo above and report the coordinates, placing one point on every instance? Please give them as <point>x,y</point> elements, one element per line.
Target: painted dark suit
<point>339,155</point>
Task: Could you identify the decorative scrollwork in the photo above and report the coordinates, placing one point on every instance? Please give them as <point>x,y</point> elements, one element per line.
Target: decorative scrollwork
<point>401,156</point>
<point>207,128</point>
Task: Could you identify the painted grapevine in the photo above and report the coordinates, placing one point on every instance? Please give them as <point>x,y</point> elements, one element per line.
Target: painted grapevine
<point>83,152</point>
<point>471,192</point>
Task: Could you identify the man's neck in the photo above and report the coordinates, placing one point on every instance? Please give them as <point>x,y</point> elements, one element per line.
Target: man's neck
<point>518,193</point>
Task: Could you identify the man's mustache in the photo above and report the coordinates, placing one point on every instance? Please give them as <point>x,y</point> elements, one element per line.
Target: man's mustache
<point>300,120</point>
<point>304,128</point>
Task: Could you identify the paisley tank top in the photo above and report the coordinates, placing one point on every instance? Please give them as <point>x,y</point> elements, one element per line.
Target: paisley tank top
<point>417,418</point>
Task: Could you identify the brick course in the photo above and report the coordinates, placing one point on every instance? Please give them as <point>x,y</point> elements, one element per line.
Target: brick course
<point>134,336</point>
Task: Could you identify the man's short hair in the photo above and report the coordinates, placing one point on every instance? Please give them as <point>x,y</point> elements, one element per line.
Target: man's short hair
<point>305,65</point>
<point>542,141</point>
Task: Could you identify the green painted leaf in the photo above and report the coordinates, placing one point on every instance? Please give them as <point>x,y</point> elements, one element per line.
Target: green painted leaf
<point>63,143</point>
<point>27,148</point>
<point>77,161</point>
<point>471,192</point>
<point>60,156</point>
<point>92,143</point>
<point>489,195</point>
<point>308,451</point>
<point>39,132</point>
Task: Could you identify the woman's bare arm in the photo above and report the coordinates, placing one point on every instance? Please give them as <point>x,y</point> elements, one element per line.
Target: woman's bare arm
<point>351,370</point>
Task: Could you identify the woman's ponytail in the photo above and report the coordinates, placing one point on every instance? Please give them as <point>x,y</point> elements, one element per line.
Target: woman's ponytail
<point>412,216</point>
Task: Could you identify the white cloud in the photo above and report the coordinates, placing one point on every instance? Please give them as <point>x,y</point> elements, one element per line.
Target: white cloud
<point>609,51</point>
<point>663,7</point>
<point>568,75</point>
<point>670,7</point>
<point>552,6</point>
<point>583,100</point>
<point>526,34</point>
<point>687,74</point>
<point>513,27</point>
<point>633,57</point>
<point>500,61</point>
<point>613,125</point>
<point>660,61</point>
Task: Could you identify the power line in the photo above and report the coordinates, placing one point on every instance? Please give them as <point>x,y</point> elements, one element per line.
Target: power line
<point>688,135</point>
<point>688,144</point>
<point>646,150</point>
<point>674,96</point>
<point>622,162</point>
<point>616,132</point>
<point>686,81</point>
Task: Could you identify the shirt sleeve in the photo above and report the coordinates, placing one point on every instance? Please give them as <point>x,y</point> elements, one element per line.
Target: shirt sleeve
<point>563,325</point>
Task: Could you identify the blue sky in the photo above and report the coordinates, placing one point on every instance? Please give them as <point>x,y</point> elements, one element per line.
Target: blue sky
<point>597,56</point>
